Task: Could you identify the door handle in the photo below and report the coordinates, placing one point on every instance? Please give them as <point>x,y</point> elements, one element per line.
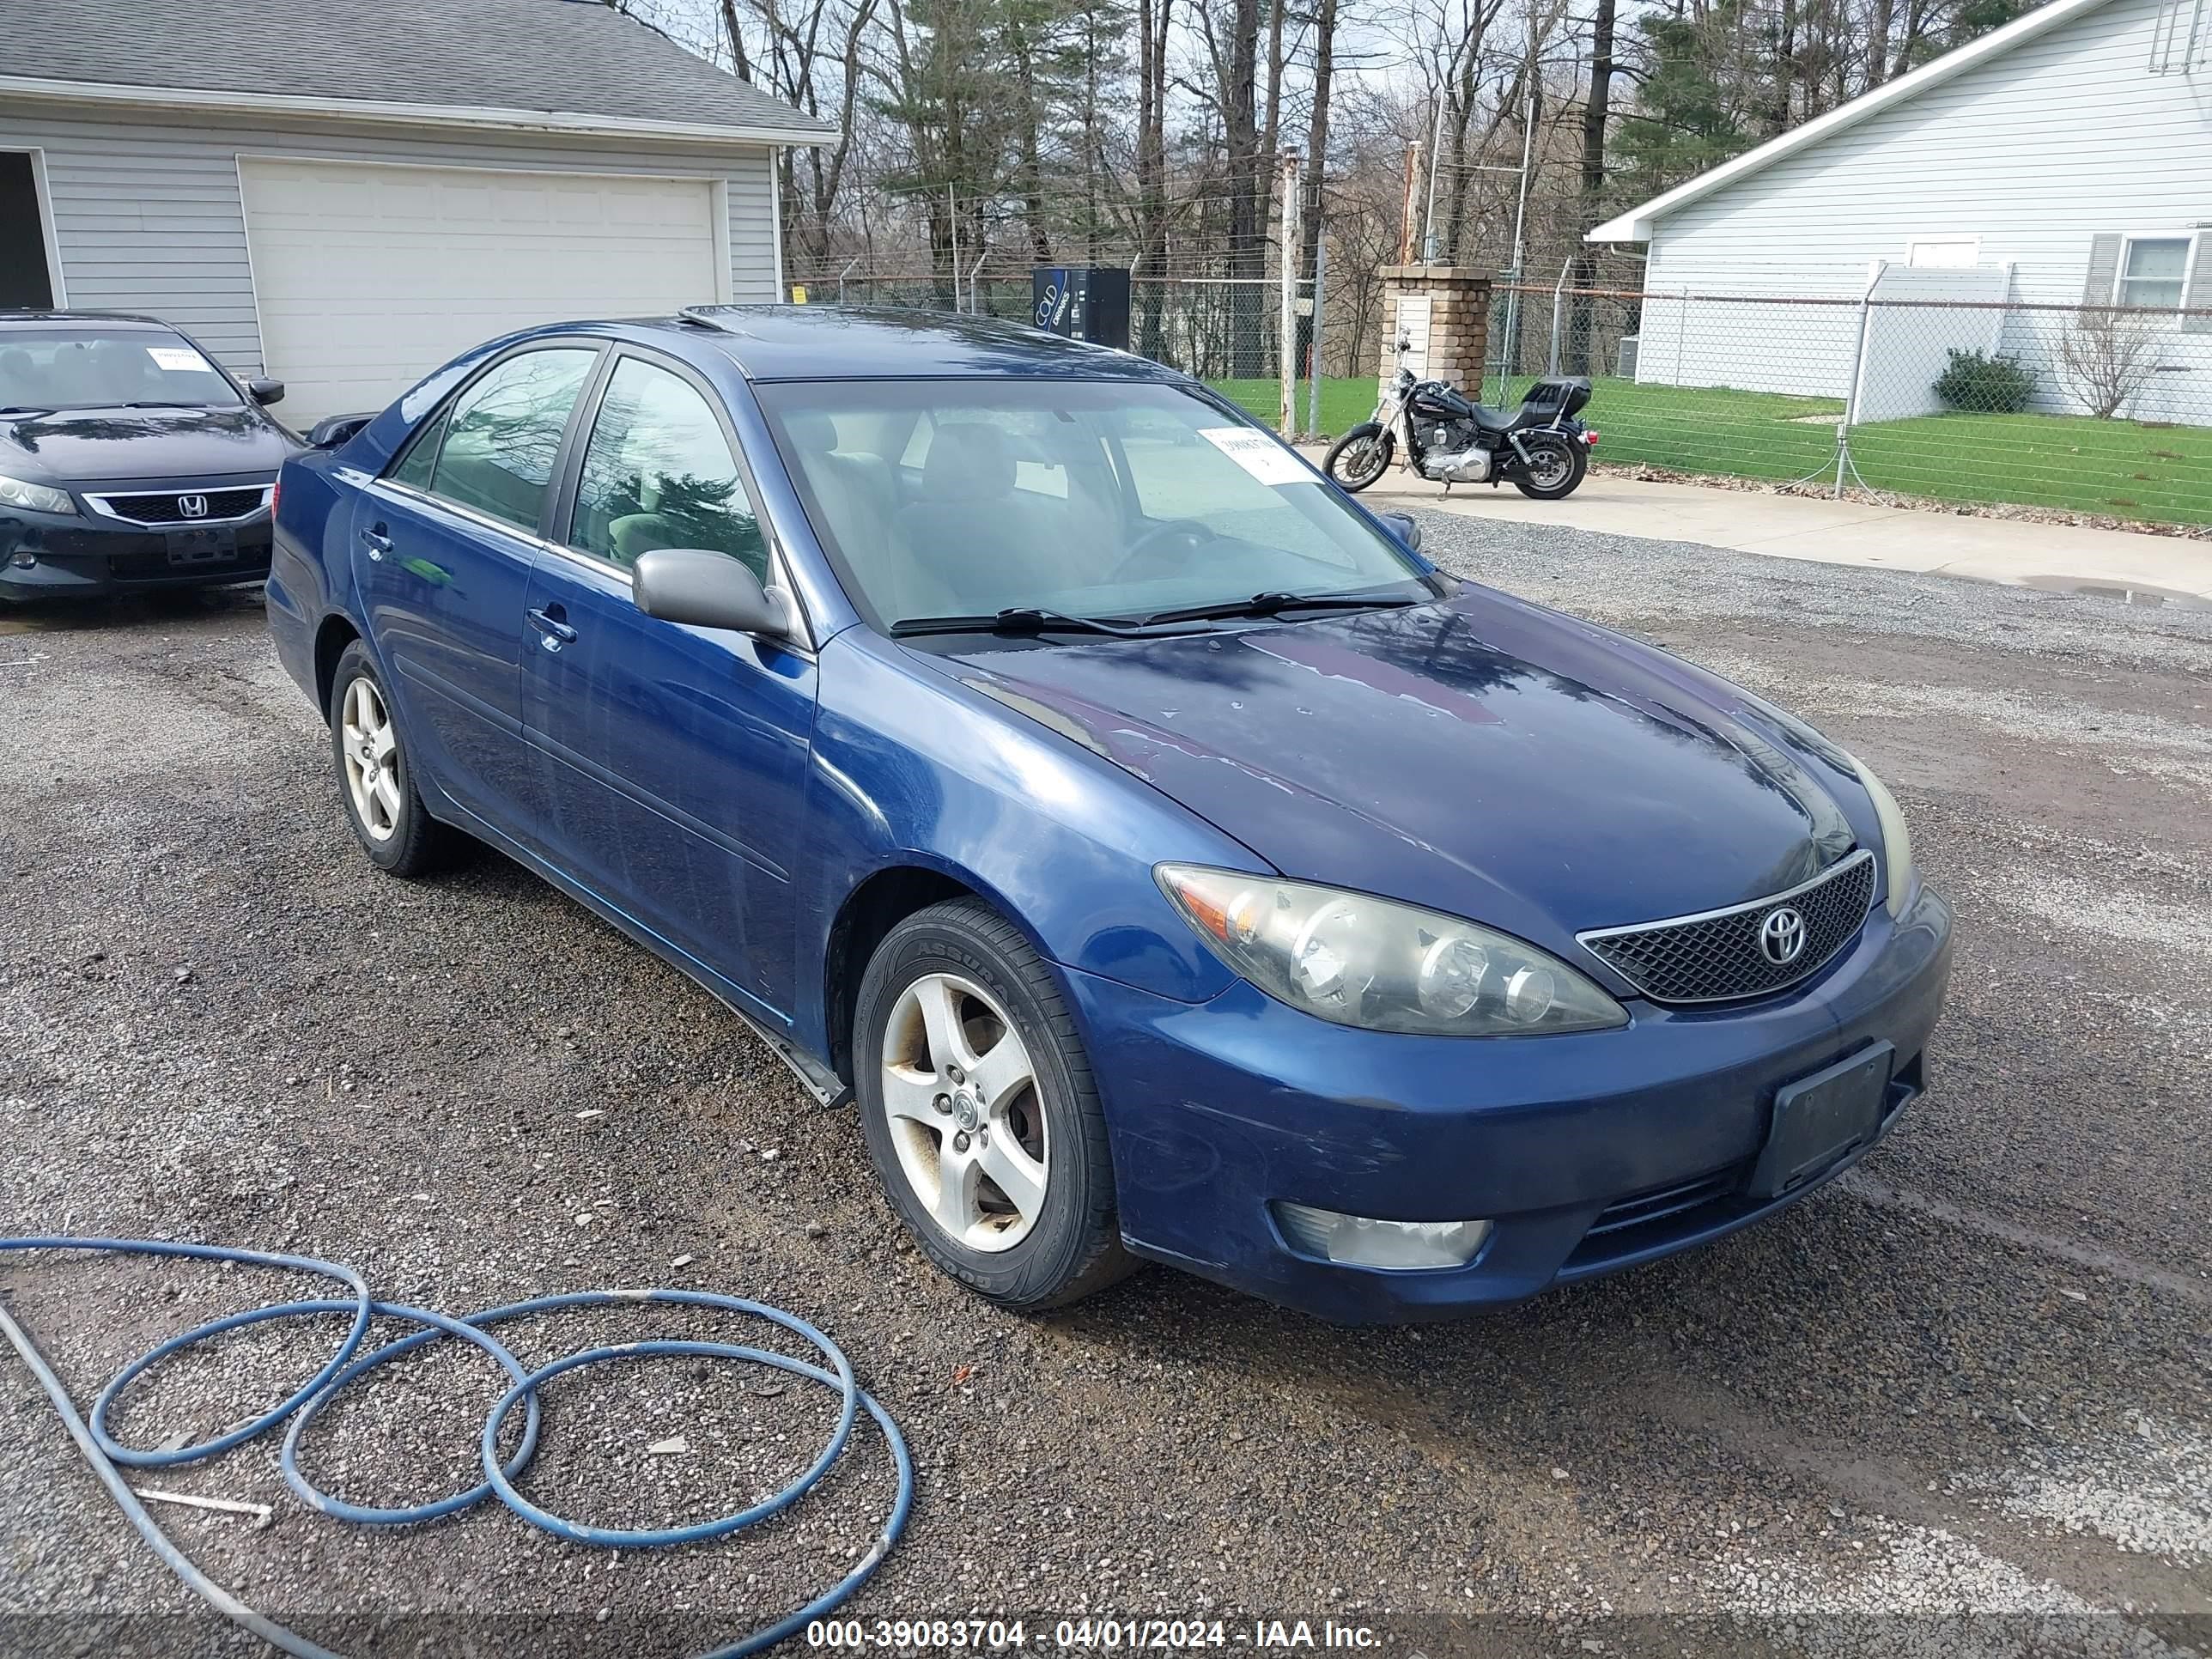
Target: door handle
<point>377,542</point>
<point>549,623</point>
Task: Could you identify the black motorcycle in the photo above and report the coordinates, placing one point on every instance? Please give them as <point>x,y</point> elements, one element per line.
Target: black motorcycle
<point>1541,449</point>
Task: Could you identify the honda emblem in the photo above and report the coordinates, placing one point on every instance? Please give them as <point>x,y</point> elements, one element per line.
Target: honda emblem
<point>192,507</point>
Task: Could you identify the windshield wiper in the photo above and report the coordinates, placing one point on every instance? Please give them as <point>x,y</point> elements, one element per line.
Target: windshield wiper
<point>158,404</point>
<point>1018,619</point>
<point>1269,604</point>
<point>24,409</point>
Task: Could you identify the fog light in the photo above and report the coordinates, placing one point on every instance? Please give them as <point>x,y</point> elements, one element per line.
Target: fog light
<point>1358,1241</point>
<point>27,561</point>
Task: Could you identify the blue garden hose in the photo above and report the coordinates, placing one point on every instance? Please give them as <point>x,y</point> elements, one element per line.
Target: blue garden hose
<point>349,1364</point>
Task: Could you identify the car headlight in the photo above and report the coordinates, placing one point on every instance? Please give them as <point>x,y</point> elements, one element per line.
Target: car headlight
<point>35,497</point>
<point>1381,965</point>
<point>1896,839</point>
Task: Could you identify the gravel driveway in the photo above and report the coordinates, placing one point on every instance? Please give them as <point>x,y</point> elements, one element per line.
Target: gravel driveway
<point>1960,1402</point>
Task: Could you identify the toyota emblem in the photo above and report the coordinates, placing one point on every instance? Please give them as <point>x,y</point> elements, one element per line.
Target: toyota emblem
<point>1782,936</point>
<point>192,506</point>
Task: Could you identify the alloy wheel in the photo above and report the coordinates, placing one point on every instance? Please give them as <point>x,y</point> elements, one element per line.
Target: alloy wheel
<point>1548,467</point>
<point>371,752</point>
<point>960,1093</point>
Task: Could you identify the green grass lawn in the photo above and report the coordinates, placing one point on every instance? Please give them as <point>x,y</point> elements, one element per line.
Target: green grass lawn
<point>2121,468</point>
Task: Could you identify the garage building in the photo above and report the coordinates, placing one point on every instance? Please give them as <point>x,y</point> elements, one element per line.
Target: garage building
<point>344,196</point>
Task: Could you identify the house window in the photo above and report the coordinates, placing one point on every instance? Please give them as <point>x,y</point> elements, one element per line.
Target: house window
<point>1944,253</point>
<point>2153,270</point>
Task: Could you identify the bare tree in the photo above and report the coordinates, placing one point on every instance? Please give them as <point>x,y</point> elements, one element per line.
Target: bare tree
<point>811,56</point>
<point>1229,33</point>
<point>1155,29</point>
<point>2106,356</point>
<point>1590,182</point>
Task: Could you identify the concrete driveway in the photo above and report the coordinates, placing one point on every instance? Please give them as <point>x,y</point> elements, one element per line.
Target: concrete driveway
<point>2139,567</point>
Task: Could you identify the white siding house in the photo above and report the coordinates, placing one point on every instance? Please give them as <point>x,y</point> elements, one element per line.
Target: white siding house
<point>2061,161</point>
<point>345,196</point>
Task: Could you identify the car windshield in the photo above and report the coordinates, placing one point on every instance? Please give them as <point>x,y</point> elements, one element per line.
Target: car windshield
<point>1067,500</point>
<point>95,367</point>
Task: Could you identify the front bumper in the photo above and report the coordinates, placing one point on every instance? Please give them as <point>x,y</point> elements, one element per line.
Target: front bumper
<point>1590,1152</point>
<point>65,555</point>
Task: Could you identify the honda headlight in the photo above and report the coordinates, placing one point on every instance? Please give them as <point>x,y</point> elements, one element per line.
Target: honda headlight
<point>1381,965</point>
<point>35,497</point>
<point>1896,839</point>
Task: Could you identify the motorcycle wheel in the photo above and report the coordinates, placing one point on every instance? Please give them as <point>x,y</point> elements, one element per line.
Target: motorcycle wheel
<point>1360,457</point>
<point>1554,469</point>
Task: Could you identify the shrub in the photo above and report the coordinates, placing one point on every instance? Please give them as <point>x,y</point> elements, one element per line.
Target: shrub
<point>2106,356</point>
<point>1986,385</point>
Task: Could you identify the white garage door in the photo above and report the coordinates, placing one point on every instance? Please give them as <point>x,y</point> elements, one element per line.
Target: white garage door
<point>367,277</point>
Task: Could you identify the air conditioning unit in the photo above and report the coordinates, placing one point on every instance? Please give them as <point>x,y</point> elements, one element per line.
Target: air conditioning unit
<point>1624,360</point>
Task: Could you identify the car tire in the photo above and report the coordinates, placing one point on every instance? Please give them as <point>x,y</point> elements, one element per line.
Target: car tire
<point>376,780</point>
<point>956,982</point>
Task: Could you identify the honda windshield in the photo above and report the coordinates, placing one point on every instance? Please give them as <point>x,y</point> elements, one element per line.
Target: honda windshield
<point>89,367</point>
<point>972,498</point>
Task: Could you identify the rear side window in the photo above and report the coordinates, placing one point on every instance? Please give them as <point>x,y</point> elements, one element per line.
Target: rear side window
<point>414,466</point>
<point>494,451</point>
<point>657,473</point>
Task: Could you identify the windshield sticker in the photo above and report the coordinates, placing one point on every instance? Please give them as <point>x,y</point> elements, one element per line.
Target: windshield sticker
<point>1258,454</point>
<point>179,357</point>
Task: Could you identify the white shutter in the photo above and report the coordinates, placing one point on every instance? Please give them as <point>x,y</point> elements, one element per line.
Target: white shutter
<point>2103,270</point>
<point>2196,298</point>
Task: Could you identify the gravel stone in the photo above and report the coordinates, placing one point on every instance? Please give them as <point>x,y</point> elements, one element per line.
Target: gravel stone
<point>1888,1421</point>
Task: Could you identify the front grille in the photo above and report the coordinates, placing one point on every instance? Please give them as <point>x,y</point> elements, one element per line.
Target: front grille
<point>1655,1220</point>
<point>168,507</point>
<point>1648,1208</point>
<point>1719,956</point>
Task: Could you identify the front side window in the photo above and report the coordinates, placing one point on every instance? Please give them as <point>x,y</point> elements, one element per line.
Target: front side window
<point>2153,273</point>
<point>658,472</point>
<point>967,497</point>
<point>502,437</point>
<point>95,367</point>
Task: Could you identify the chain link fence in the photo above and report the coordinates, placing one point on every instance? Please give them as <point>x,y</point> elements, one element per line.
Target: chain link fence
<point>1923,384</point>
<point>1937,384</point>
<point>1225,330</point>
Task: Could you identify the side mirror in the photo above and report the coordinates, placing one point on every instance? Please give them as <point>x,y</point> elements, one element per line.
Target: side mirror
<point>706,590</point>
<point>334,429</point>
<point>1405,526</point>
<point>265,392</point>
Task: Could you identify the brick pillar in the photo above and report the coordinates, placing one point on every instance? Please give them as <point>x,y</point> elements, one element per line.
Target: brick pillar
<point>1459,322</point>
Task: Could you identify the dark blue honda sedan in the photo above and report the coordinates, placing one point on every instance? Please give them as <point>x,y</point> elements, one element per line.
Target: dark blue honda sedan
<point>1169,862</point>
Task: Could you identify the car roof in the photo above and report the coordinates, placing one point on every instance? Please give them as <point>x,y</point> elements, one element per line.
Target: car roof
<point>26,319</point>
<point>840,342</point>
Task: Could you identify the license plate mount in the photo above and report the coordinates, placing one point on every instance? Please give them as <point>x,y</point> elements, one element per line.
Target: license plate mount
<point>1822,1118</point>
<point>205,544</point>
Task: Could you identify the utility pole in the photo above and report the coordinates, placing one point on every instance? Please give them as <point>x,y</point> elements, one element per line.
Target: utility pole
<point>1509,358</point>
<point>1436,157</point>
<point>1293,245</point>
<point>952,219</point>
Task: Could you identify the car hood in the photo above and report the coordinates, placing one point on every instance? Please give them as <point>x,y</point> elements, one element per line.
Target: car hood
<point>1482,756</point>
<point>90,446</point>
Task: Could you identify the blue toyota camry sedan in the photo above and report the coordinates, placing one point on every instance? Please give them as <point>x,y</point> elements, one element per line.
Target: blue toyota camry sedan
<point>1166,859</point>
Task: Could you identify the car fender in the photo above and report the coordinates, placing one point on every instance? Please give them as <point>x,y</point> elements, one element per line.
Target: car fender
<point>310,574</point>
<point>914,767</point>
